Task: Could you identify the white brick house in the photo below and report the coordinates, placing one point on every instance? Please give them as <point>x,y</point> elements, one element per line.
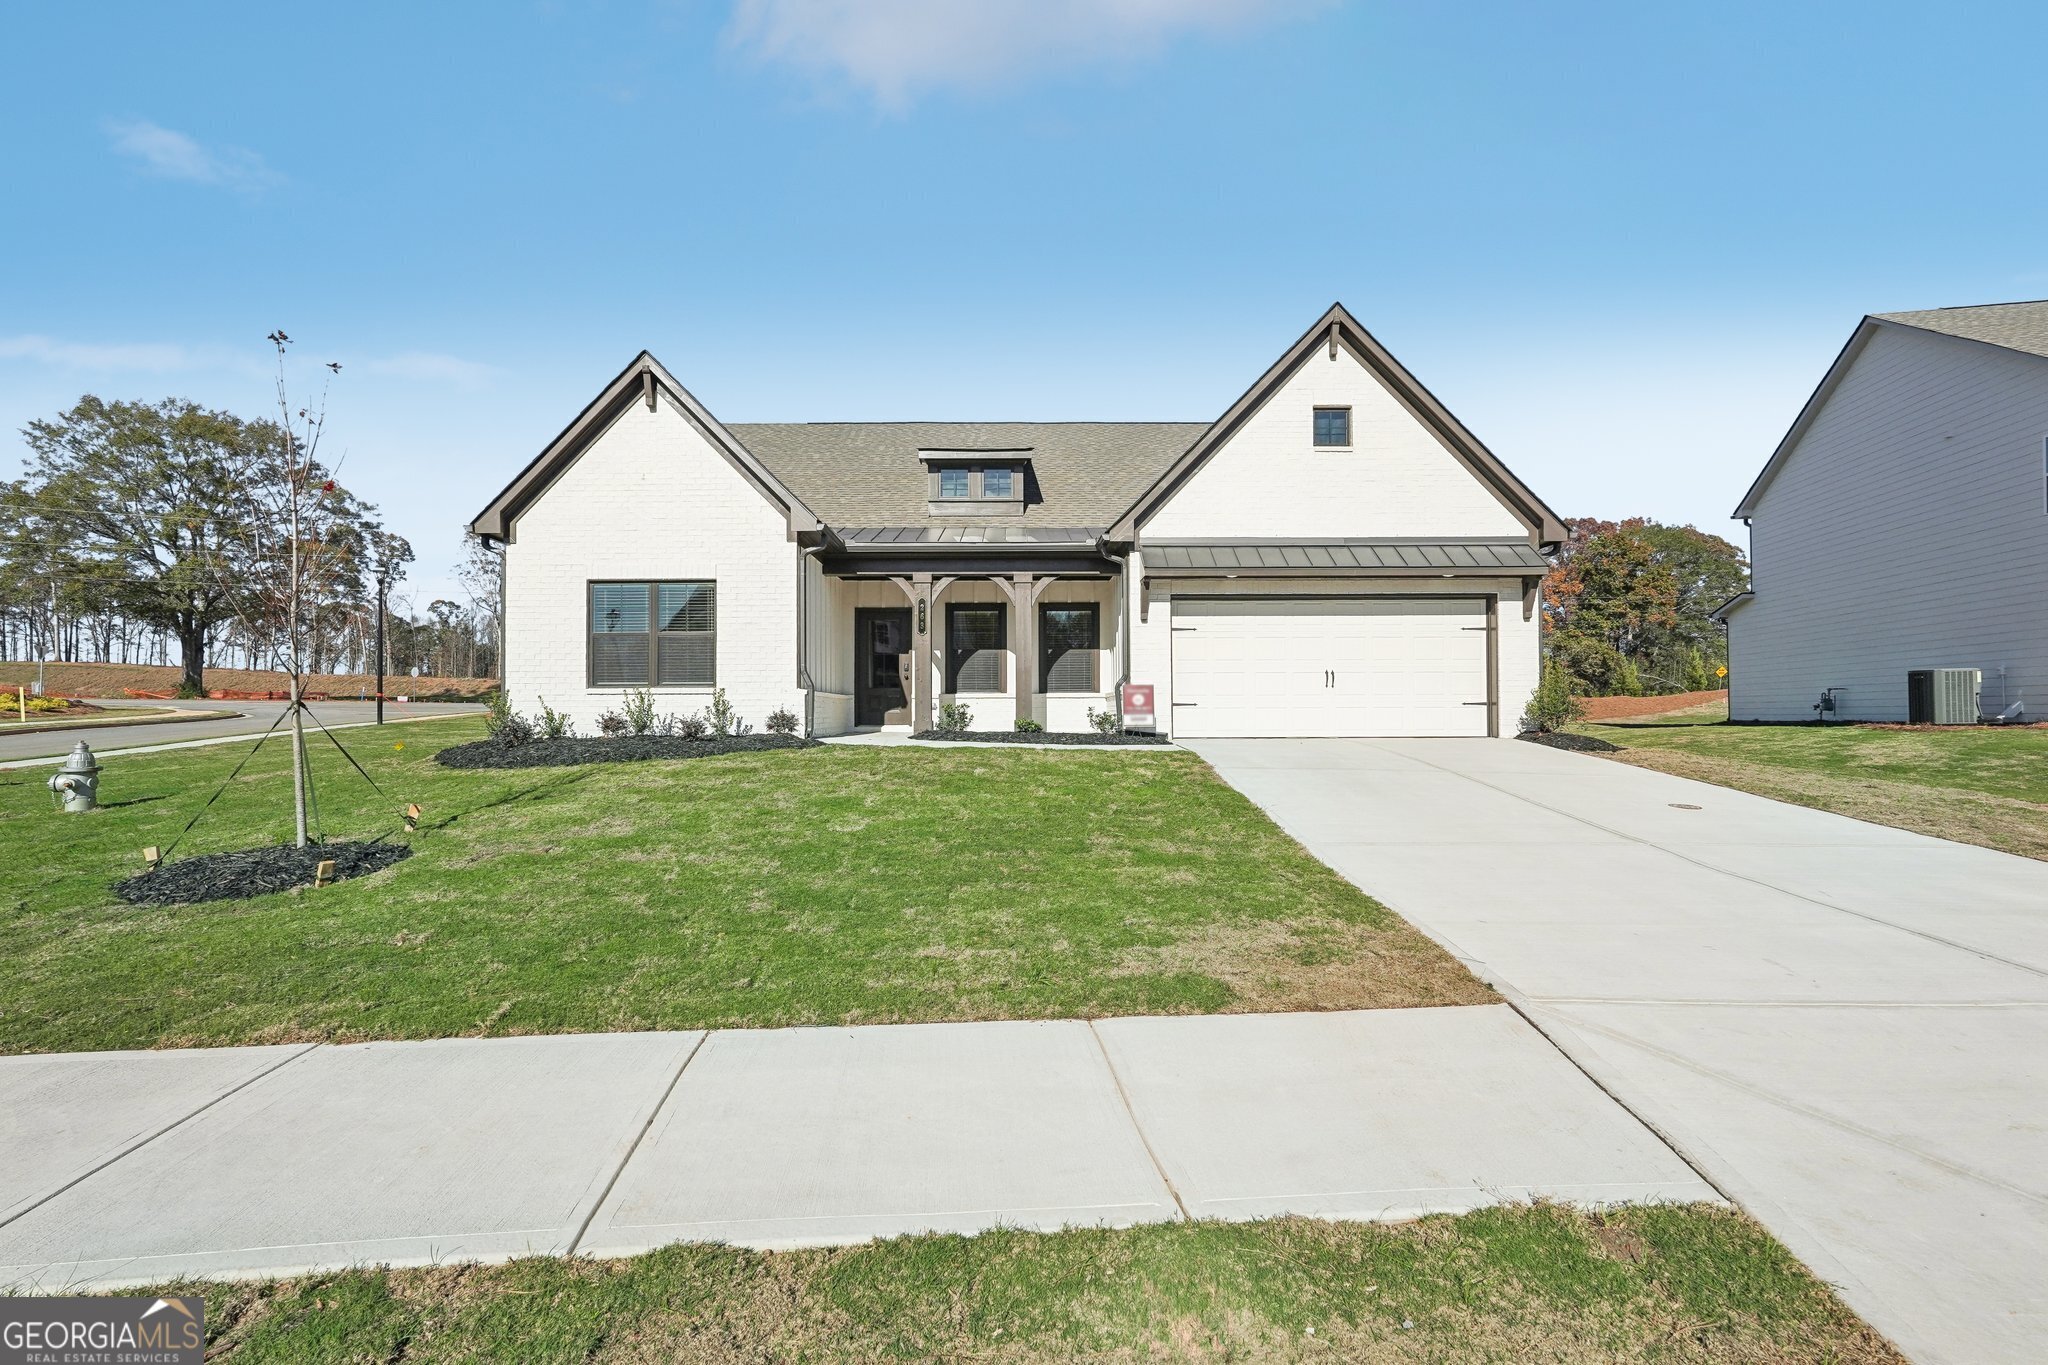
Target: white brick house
<point>1335,555</point>
<point>1901,526</point>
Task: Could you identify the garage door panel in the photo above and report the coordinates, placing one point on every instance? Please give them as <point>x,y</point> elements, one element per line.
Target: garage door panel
<point>1329,666</point>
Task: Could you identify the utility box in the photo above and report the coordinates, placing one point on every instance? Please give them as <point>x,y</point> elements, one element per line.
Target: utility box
<point>1944,696</point>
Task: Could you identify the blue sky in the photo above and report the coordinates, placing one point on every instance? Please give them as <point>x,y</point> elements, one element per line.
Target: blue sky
<point>1622,241</point>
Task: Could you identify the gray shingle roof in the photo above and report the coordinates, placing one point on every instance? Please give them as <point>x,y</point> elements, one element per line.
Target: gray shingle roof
<point>1448,556</point>
<point>2015,326</point>
<point>868,474</point>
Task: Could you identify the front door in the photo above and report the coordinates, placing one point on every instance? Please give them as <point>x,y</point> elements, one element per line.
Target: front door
<point>881,659</point>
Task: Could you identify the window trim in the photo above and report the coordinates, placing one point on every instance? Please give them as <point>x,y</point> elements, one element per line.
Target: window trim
<point>1045,662</point>
<point>654,633</point>
<point>1316,437</point>
<point>1001,648</point>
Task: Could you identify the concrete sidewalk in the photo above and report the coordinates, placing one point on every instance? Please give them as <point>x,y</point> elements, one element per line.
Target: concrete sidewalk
<point>1845,1025</point>
<point>129,1168</point>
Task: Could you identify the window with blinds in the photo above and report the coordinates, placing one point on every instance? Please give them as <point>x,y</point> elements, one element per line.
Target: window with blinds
<point>975,642</point>
<point>1068,638</point>
<point>653,634</point>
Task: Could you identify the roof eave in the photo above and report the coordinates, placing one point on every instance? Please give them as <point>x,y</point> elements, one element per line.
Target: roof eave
<point>641,379</point>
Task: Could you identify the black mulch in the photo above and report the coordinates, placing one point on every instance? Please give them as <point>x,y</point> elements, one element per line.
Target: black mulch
<point>1562,739</point>
<point>563,753</point>
<point>1041,737</point>
<point>254,872</point>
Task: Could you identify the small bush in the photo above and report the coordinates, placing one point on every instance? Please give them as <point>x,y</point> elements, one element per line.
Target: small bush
<point>1552,706</point>
<point>781,721</point>
<point>554,724</point>
<point>954,718</point>
<point>1697,678</point>
<point>497,710</point>
<point>1029,726</point>
<point>513,731</point>
<point>692,726</point>
<point>611,725</point>
<point>1106,722</point>
<point>639,711</point>
<point>721,715</point>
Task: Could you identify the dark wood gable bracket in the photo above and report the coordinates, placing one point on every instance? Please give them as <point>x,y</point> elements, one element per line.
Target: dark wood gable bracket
<point>647,380</point>
<point>1341,329</point>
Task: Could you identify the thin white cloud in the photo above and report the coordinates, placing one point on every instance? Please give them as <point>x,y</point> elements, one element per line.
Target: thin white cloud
<point>74,355</point>
<point>432,367</point>
<point>171,155</point>
<point>895,49</point>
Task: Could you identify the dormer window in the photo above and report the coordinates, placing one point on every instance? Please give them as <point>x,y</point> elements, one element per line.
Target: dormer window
<point>981,483</point>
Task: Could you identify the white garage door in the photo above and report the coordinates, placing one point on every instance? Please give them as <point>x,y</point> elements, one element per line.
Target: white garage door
<point>1331,666</point>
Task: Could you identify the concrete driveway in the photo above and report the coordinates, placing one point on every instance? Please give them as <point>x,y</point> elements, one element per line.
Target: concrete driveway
<point>1845,1025</point>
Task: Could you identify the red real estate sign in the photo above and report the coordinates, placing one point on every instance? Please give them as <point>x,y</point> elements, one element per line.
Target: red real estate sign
<point>1137,706</point>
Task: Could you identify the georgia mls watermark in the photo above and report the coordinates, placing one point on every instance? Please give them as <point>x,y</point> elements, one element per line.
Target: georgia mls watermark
<point>135,1331</point>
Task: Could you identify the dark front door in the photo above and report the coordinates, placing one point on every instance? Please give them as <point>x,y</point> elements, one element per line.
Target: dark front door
<point>881,654</point>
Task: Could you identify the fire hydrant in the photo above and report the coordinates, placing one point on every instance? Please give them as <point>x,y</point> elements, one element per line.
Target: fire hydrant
<point>77,783</point>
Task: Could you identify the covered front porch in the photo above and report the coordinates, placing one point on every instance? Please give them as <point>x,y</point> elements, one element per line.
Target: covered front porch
<point>1011,631</point>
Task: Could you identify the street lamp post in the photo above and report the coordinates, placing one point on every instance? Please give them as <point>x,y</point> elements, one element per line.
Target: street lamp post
<point>382,585</point>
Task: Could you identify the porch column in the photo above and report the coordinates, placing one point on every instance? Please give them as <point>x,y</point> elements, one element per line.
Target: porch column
<point>923,621</point>
<point>1025,632</point>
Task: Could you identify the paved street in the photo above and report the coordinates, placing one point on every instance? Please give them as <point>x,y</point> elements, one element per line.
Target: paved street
<point>1845,1025</point>
<point>127,1168</point>
<point>234,718</point>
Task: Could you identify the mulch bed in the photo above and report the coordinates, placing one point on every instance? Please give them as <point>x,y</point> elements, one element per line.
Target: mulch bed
<point>254,872</point>
<point>1039,737</point>
<point>1562,739</point>
<point>565,753</point>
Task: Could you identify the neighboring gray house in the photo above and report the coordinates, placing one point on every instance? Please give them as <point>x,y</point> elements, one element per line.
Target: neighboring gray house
<point>1334,555</point>
<point>1902,525</point>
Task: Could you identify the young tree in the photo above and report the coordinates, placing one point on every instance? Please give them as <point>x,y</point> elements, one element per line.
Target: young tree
<point>307,540</point>
<point>132,506</point>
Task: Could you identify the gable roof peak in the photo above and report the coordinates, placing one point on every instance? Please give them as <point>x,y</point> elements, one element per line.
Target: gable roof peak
<point>1338,328</point>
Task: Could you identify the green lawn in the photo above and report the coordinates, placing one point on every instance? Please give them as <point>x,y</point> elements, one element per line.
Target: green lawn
<point>1509,1285</point>
<point>1977,784</point>
<point>830,885</point>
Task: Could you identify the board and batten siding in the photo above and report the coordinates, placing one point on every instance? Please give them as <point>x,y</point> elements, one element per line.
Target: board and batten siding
<point>650,499</point>
<point>1271,481</point>
<point>1907,529</point>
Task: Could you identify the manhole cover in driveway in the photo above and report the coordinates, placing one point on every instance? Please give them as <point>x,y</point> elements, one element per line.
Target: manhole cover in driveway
<point>1682,805</point>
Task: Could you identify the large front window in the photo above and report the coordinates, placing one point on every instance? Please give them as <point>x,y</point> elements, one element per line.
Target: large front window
<point>974,647</point>
<point>653,634</point>
<point>1068,638</point>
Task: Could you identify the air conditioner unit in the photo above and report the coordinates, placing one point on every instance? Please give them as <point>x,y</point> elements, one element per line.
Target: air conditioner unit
<point>1945,696</point>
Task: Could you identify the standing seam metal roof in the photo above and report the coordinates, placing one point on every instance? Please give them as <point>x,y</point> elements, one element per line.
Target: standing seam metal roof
<point>1450,556</point>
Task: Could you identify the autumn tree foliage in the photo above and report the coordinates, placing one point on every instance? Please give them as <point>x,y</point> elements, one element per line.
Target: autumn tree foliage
<point>1626,605</point>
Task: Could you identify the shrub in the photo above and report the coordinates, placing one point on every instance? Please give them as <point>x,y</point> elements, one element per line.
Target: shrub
<point>1552,706</point>
<point>781,721</point>
<point>1106,722</point>
<point>611,725</point>
<point>554,724</point>
<point>497,710</point>
<point>513,731</point>
<point>1029,726</point>
<point>722,717</point>
<point>692,726</point>
<point>954,718</point>
<point>639,711</point>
